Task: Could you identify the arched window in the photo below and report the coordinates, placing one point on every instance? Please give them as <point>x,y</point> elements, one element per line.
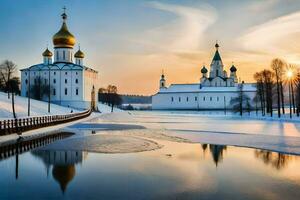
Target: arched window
<point>203,98</point>
<point>172,99</point>
<point>217,72</point>
<point>66,91</point>
<point>196,99</point>
<point>66,81</point>
<point>210,98</point>
<point>187,98</point>
<point>54,92</point>
<point>54,80</point>
<point>179,99</point>
<point>76,91</point>
<point>26,81</point>
<point>76,80</point>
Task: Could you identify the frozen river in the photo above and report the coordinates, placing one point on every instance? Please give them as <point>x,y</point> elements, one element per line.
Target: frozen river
<point>160,155</point>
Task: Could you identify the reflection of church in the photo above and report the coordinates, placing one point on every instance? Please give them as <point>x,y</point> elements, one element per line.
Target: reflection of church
<point>216,152</point>
<point>70,83</point>
<point>62,163</point>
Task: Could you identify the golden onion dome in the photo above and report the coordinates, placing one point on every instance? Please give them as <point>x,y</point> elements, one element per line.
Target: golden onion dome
<point>47,53</point>
<point>79,54</point>
<point>63,38</point>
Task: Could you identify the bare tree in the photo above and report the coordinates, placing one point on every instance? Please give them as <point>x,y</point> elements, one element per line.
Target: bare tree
<point>110,96</point>
<point>277,66</point>
<point>268,77</point>
<point>241,102</point>
<point>297,81</point>
<point>7,71</point>
<point>260,94</point>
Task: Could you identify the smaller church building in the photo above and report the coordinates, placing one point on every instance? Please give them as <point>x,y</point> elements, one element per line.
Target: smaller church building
<point>214,91</point>
<point>62,74</point>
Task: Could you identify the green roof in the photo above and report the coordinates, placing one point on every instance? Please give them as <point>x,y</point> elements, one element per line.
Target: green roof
<point>217,56</point>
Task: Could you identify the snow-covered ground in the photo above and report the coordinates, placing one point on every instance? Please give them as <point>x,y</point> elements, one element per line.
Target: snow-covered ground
<point>37,107</point>
<point>213,129</point>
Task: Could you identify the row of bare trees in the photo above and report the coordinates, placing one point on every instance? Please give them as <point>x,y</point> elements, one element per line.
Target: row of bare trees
<point>271,86</point>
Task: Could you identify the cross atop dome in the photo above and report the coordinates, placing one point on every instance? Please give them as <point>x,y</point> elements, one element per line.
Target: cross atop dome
<point>64,15</point>
<point>63,38</point>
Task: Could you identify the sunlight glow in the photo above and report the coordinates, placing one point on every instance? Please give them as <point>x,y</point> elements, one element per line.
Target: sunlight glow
<point>289,74</point>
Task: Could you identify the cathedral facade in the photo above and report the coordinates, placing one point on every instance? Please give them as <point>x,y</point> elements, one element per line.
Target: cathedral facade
<point>62,74</point>
<point>214,91</point>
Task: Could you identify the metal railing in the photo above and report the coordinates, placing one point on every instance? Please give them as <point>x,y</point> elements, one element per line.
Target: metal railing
<point>11,126</point>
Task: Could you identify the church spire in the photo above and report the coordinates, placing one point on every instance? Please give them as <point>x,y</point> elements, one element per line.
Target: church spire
<point>217,56</point>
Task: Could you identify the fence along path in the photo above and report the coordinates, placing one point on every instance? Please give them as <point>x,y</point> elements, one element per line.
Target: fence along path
<point>11,126</point>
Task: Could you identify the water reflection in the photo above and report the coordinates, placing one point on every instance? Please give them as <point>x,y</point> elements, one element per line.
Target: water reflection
<point>276,160</point>
<point>216,152</point>
<point>62,163</point>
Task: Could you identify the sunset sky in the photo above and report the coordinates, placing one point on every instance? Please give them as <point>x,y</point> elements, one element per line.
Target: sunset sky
<point>130,41</point>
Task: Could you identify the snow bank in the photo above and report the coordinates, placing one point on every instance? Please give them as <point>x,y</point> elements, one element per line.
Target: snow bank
<point>37,107</point>
<point>103,108</point>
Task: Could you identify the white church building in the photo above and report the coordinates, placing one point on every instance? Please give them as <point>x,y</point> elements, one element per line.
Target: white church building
<point>70,83</point>
<point>213,92</point>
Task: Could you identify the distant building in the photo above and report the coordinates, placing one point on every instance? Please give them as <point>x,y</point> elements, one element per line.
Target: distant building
<point>214,91</point>
<point>71,83</point>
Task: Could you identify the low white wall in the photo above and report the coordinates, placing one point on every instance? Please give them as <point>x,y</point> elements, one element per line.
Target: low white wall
<point>195,101</point>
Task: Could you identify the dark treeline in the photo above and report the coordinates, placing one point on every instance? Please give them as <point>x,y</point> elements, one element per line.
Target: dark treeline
<point>136,99</point>
<point>273,84</point>
<point>110,96</point>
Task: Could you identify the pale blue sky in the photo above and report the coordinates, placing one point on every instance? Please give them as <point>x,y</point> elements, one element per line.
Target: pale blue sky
<point>130,41</point>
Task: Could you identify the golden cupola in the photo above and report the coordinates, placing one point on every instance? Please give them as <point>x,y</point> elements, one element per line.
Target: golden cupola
<point>47,53</point>
<point>63,38</point>
<point>79,54</point>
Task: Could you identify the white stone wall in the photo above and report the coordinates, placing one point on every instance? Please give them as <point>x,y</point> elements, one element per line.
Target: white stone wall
<point>195,100</point>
